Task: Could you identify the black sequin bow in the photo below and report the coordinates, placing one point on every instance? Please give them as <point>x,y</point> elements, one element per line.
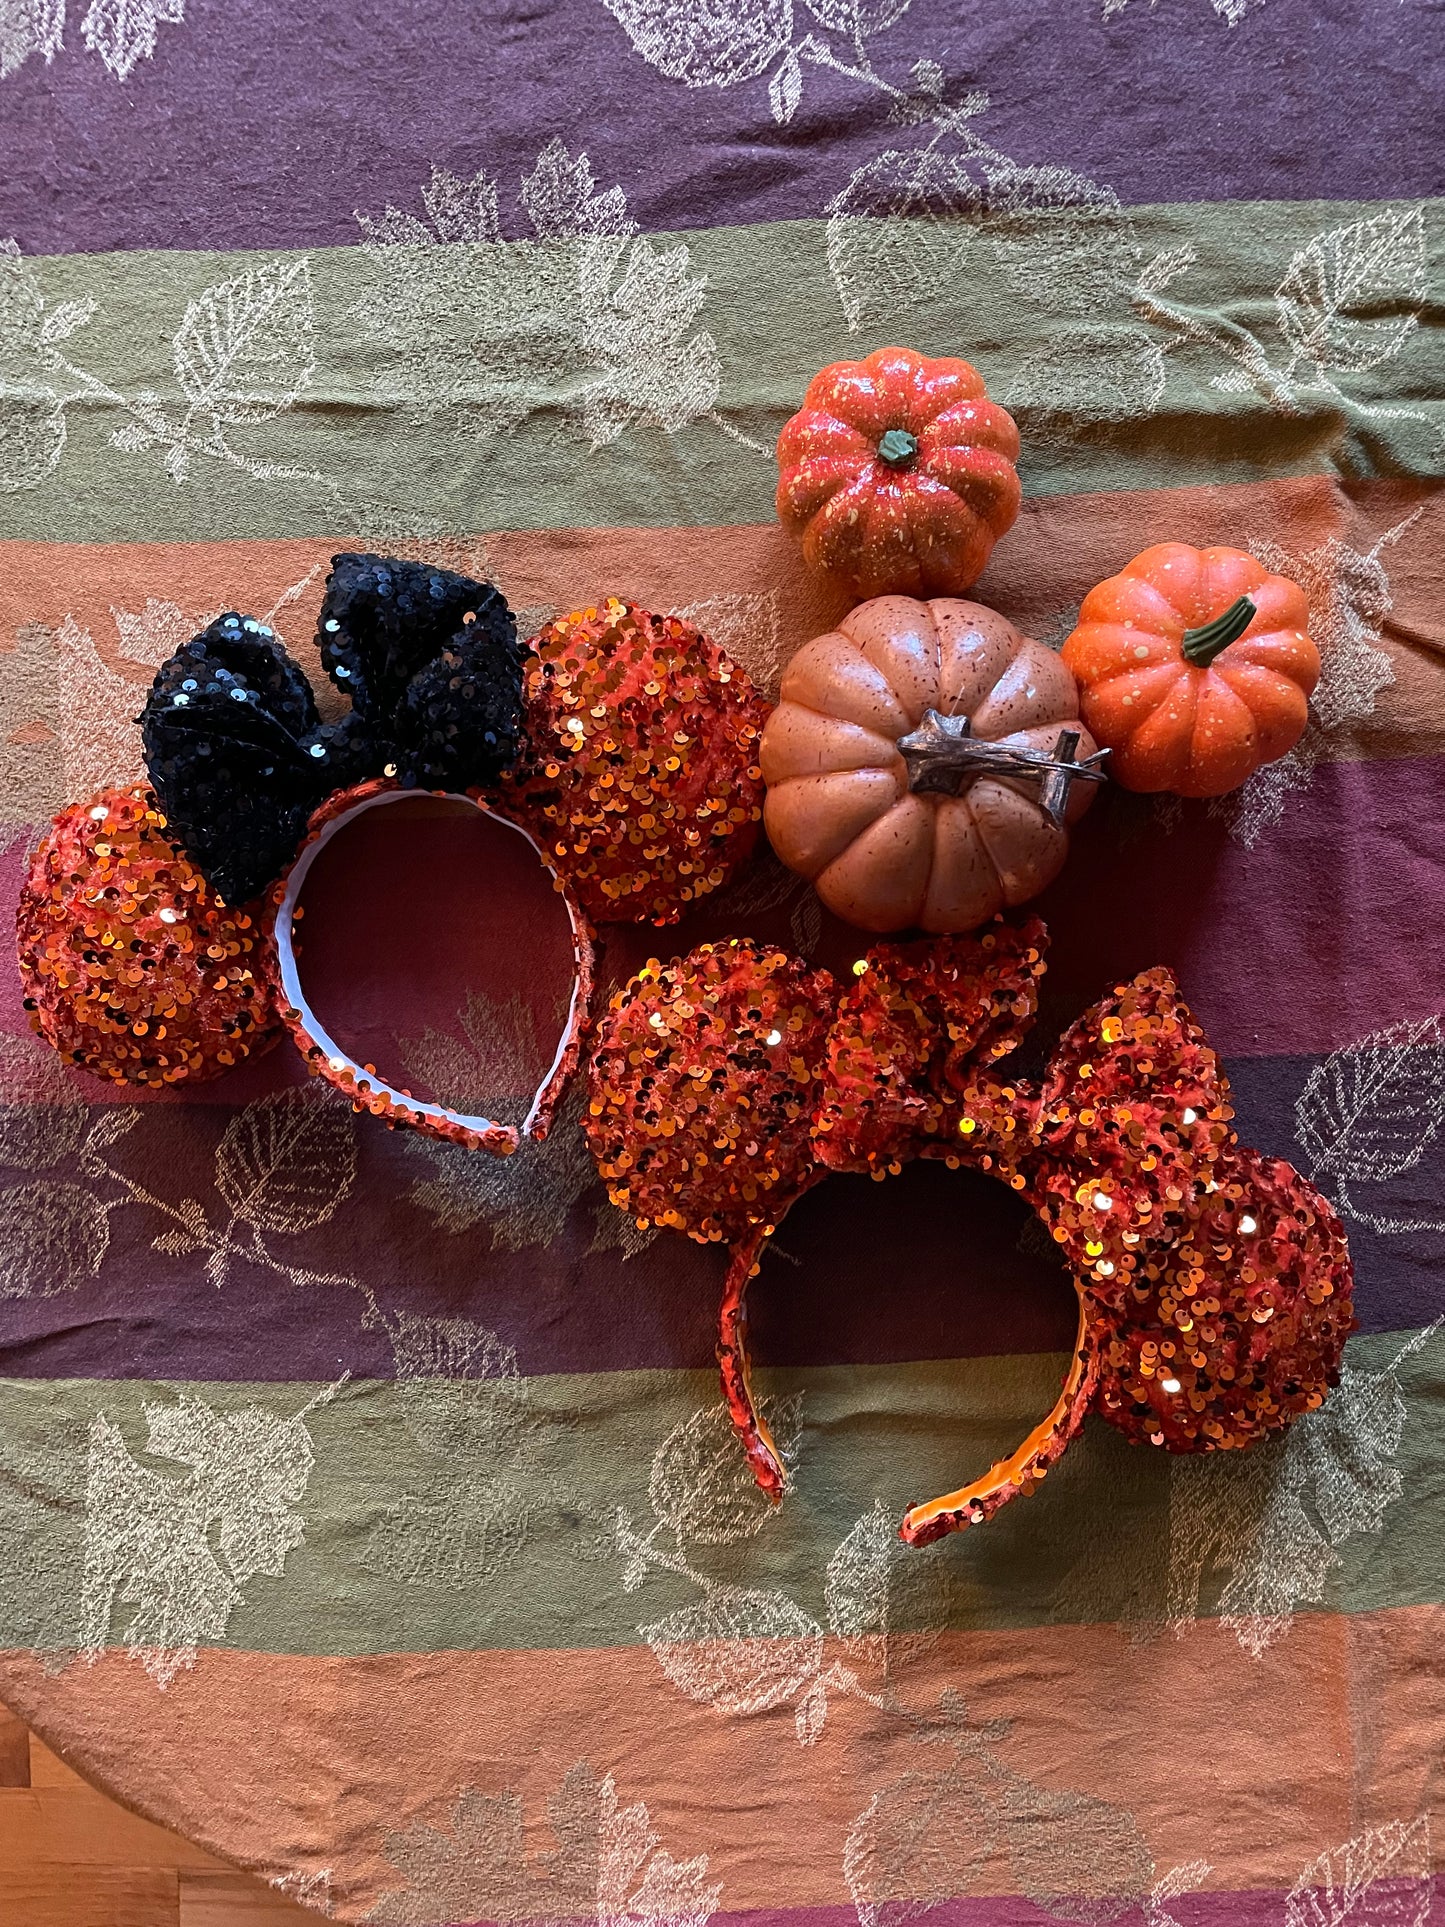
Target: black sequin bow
<point>238,755</point>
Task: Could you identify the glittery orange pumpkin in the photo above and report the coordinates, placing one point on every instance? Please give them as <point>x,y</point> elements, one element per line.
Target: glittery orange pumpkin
<point>898,474</point>
<point>641,779</point>
<point>921,765</point>
<point>132,966</point>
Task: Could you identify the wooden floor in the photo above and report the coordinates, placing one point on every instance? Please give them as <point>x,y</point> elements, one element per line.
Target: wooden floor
<point>71,1858</point>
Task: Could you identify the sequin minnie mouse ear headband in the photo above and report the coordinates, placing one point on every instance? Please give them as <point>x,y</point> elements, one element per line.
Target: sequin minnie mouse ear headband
<point>621,745</point>
<point>1214,1285</point>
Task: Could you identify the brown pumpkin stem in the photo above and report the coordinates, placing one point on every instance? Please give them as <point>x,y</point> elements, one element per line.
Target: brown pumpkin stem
<point>943,755</point>
<point>1200,646</point>
<point>898,448</point>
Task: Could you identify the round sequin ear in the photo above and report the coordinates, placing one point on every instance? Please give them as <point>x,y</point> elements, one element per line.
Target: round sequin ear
<point>703,1084</point>
<point>1241,1327</point>
<point>132,966</point>
<point>641,778</point>
<point>366,1088</point>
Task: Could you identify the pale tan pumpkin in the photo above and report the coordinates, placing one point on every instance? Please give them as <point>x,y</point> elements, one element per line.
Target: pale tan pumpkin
<point>920,765</point>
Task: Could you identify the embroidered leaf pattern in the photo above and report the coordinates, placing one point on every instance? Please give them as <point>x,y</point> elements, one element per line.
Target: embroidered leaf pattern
<point>123,32</point>
<point>1350,598</point>
<point>1088,375</point>
<point>886,1603</point>
<point>707,43</point>
<point>916,1844</point>
<point>244,349</point>
<point>179,1549</point>
<point>636,332</point>
<point>1272,1519</point>
<point>53,1236</point>
<point>30,27</point>
<point>288,1160</point>
<point>1381,1878</point>
<point>608,1864</point>
<point>1371,1110</point>
<point>702,1486</point>
<point>1331,299</point>
<point>737,1649</point>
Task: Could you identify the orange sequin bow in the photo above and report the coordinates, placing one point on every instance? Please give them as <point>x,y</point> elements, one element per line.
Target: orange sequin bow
<point>1214,1284</point>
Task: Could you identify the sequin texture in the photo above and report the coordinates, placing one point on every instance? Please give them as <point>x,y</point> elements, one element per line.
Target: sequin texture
<point>131,965</point>
<point>703,1084</point>
<point>641,779</point>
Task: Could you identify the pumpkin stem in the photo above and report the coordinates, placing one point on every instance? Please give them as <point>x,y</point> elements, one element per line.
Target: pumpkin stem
<point>943,755</point>
<point>1202,645</point>
<point>898,448</point>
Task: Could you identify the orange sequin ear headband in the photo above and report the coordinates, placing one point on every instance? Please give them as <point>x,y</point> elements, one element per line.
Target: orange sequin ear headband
<point>1214,1285</point>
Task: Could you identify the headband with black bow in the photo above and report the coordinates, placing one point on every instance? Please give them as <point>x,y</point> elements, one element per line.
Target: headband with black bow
<point>236,750</point>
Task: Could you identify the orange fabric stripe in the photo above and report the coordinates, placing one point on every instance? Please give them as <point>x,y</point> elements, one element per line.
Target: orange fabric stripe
<point>1252,1765</point>
<point>1060,547</point>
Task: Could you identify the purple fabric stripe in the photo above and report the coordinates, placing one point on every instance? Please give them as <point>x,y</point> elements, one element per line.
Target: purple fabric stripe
<point>931,1264</point>
<point>1326,929</point>
<point>1406,1899</point>
<point>293,114</point>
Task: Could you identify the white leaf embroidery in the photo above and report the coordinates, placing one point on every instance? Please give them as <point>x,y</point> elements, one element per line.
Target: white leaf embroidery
<point>707,43</point>
<point>914,1845</point>
<point>53,1236</point>
<point>123,32</point>
<point>288,1160</point>
<point>244,350</point>
<point>32,435</point>
<point>636,334</point>
<point>1331,295</point>
<point>64,320</point>
<point>1183,1879</point>
<point>1349,597</point>
<point>22,308</point>
<point>608,1865</point>
<point>785,89</point>
<point>811,1713</point>
<point>902,227</point>
<point>180,1549</point>
<point>858,16</point>
<point>1273,1518</point>
<point>562,202</point>
<point>1370,1111</point>
<point>887,1604</point>
<point>738,1650</point>
<point>906,221</point>
<point>29,27</point>
<point>1381,1878</point>
<point>702,1486</point>
<point>308,1889</point>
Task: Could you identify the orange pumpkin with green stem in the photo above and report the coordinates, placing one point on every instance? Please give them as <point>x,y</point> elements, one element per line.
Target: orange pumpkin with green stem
<point>898,474</point>
<point>1194,668</point>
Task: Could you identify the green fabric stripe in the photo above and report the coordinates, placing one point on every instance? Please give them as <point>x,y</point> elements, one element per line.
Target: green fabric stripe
<point>506,364</point>
<point>481,1514</point>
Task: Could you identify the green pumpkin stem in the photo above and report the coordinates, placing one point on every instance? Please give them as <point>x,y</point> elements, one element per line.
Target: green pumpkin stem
<point>897,448</point>
<point>1202,645</point>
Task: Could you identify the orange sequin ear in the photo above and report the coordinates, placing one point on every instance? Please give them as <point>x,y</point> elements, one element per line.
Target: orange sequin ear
<point>702,1088</point>
<point>641,774</point>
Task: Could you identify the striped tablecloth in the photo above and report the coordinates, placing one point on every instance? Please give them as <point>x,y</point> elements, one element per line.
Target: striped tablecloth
<point>366,1509</point>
